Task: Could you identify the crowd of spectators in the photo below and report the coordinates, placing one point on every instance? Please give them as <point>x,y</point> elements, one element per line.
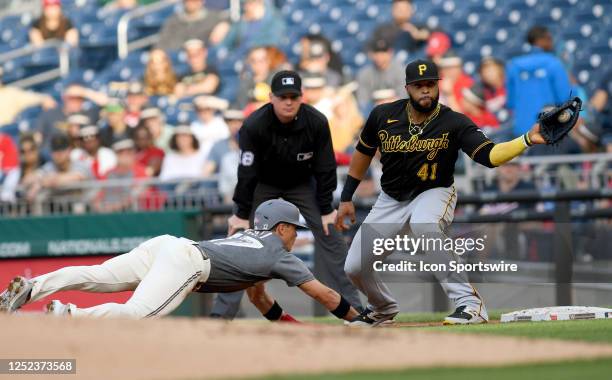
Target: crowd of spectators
<point>93,135</point>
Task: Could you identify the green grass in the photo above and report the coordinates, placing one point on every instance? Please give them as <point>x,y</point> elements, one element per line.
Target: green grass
<point>591,369</point>
<point>599,330</point>
<point>406,317</point>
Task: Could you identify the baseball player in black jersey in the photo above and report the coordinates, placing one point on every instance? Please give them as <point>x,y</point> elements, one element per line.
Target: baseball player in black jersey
<point>418,140</point>
<point>162,271</point>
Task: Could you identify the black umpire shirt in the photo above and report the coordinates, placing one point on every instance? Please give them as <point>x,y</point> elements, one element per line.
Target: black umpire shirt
<point>285,155</point>
<point>413,163</point>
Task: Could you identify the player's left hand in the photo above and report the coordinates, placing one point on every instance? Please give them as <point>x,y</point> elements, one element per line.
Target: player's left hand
<point>328,219</point>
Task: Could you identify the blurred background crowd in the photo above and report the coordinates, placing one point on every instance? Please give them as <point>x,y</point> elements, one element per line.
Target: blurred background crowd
<point>96,94</point>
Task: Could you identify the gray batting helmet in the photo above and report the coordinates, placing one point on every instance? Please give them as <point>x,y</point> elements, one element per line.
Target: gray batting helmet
<point>275,211</point>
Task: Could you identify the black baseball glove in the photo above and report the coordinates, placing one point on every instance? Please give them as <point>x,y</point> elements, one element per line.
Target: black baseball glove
<point>556,123</point>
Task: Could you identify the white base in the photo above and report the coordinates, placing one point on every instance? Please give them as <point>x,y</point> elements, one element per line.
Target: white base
<point>557,313</point>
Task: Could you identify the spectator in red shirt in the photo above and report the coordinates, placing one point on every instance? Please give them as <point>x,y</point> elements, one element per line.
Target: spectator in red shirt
<point>437,45</point>
<point>100,159</point>
<point>9,164</point>
<point>147,154</point>
<point>454,80</point>
<point>474,107</point>
<point>122,197</point>
<point>493,76</point>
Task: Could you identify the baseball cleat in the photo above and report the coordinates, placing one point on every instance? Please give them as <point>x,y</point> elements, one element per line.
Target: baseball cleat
<point>369,318</point>
<point>465,315</point>
<point>16,294</point>
<point>57,308</point>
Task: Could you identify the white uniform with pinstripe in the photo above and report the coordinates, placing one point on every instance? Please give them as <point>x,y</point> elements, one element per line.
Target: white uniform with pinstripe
<point>162,271</point>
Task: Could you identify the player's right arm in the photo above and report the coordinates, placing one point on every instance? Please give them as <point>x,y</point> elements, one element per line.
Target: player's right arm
<point>329,298</point>
<point>267,306</point>
<point>360,162</point>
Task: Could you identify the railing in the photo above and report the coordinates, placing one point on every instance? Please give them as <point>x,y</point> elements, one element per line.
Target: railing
<point>544,168</point>
<point>128,194</point>
<point>124,46</point>
<point>16,7</point>
<point>62,69</point>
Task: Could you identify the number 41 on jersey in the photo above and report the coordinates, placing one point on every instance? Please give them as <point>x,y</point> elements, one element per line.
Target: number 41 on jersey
<point>424,172</point>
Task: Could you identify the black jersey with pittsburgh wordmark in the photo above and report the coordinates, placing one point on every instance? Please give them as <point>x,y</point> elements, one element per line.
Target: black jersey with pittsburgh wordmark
<point>416,158</point>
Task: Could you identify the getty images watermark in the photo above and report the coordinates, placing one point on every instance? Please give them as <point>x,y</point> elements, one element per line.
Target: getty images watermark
<point>503,253</point>
<point>428,254</point>
<point>424,250</point>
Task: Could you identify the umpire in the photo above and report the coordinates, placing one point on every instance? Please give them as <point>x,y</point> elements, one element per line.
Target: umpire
<point>286,152</point>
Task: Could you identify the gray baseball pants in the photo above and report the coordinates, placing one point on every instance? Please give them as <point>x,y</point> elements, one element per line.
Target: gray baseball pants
<point>428,213</point>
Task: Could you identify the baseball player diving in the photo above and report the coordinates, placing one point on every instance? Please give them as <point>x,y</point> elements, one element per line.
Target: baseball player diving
<point>419,140</point>
<point>162,271</point>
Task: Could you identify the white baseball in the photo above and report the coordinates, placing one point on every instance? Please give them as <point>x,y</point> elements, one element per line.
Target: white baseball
<point>564,116</point>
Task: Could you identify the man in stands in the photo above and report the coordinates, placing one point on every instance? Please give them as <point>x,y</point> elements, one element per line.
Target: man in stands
<point>195,21</point>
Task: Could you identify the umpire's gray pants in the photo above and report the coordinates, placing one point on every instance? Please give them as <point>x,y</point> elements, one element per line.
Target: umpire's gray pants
<point>330,250</point>
<point>428,213</point>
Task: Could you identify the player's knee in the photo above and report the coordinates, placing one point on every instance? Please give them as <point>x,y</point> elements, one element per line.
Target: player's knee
<point>425,227</point>
<point>352,268</point>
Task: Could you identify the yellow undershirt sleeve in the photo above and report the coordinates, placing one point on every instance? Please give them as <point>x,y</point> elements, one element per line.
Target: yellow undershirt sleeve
<point>504,152</point>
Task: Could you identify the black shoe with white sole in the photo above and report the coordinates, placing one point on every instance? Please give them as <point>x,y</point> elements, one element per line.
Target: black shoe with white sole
<point>465,315</point>
<point>369,318</point>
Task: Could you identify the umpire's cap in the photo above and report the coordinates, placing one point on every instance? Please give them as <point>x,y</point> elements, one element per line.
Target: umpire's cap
<point>286,82</point>
<point>275,211</point>
<point>421,70</point>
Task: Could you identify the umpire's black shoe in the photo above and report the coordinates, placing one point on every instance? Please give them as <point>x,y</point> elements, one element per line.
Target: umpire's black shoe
<point>369,318</point>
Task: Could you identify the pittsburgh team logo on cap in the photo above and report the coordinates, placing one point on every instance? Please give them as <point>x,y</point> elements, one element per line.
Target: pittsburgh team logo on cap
<point>421,70</point>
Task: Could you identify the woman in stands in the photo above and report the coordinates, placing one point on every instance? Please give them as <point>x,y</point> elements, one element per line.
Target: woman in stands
<point>31,162</point>
<point>185,159</point>
<point>53,25</point>
<point>159,78</point>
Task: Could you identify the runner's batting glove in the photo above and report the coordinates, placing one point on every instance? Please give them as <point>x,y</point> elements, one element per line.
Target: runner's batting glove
<point>288,318</point>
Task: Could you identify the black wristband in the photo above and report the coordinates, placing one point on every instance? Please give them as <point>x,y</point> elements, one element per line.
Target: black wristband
<point>343,308</point>
<point>350,185</point>
<point>274,313</point>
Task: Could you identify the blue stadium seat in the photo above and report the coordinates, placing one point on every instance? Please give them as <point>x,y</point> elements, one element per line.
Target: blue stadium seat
<point>12,130</point>
<point>218,4</point>
<point>29,114</point>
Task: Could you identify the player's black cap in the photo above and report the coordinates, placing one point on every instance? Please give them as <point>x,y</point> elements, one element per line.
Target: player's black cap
<point>421,70</point>
<point>275,211</point>
<point>286,82</point>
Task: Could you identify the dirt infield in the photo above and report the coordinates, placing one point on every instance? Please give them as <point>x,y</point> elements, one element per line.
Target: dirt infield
<point>177,348</point>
